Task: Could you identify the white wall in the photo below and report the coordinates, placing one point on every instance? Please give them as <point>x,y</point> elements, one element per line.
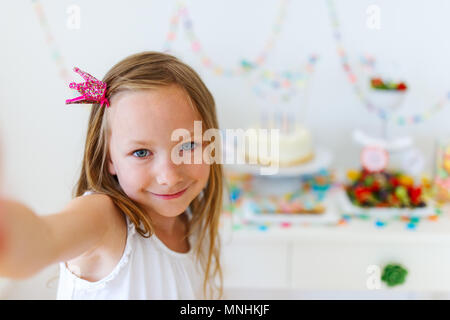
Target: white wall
<point>42,138</point>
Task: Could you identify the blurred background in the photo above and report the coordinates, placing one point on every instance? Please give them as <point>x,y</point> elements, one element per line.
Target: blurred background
<point>338,44</point>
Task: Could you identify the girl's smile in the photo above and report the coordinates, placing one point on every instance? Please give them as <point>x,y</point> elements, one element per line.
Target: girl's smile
<point>170,195</point>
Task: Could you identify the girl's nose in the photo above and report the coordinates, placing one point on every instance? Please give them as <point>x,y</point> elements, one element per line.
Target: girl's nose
<point>167,172</point>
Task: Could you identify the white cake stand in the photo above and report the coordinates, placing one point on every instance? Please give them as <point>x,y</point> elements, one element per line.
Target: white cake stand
<point>322,160</point>
<point>284,181</point>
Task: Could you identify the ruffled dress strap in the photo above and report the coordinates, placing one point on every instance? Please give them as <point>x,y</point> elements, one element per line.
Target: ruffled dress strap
<point>72,282</point>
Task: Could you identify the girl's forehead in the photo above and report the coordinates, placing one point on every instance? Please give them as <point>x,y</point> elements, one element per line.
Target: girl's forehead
<point>145,112</point>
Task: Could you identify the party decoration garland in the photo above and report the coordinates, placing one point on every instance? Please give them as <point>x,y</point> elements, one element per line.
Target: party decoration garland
<point>182,13</point>
<point>286,83</point>
<point>400,120</point>
<point>273,87</point>
<point>50,41</point>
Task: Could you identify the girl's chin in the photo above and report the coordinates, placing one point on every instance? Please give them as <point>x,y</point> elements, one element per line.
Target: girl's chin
<point>169,210</point>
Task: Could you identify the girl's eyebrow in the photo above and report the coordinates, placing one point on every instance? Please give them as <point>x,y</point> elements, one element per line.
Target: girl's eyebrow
<point>139,142</point>
<point>143,142</point>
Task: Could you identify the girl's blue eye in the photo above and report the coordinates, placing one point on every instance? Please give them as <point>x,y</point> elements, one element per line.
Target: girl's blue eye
<point>141,153</point>
<point>188,146</point>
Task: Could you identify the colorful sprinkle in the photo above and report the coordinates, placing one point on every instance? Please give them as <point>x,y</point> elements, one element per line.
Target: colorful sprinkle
<point>346,217</point>
<point>380,224</point>
<point>415,220</point>
<point>262,228</point>
<point>237,226</point>
<point>411,226</point>
<point>285,224</point>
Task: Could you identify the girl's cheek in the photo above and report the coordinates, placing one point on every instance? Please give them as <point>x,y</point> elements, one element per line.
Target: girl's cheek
<point>135,176</point>
<point>200,171</point>
<point>2,239</point>
<point>132,176</point>
<point>2,226</point>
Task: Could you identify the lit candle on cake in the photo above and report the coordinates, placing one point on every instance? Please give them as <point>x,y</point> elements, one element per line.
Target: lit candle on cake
<point>291,121</point>
<point>284,127</point>
<point>264,118</point>
<point>277,119</point>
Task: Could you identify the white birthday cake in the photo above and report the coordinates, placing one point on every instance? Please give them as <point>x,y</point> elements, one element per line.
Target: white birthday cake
<point>294,147</point>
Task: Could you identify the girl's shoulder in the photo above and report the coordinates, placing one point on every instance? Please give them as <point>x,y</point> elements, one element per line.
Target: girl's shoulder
<point>112,245</point>
<point>103,202</point>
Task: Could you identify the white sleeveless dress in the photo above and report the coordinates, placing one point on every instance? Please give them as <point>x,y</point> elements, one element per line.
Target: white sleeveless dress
<point>148,269</point>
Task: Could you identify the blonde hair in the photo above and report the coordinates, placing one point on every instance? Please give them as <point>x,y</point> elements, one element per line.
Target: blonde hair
<point>143,71</point>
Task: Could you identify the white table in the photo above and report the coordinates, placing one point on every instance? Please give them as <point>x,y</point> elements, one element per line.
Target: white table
<point>341,258</point>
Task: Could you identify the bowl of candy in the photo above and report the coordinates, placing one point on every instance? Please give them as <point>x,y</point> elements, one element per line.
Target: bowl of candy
<point>385,193</point>
<point>387,94</point>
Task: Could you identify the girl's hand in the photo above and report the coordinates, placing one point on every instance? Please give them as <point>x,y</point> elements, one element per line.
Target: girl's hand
<point>29,242</point>
<point>20,229</point>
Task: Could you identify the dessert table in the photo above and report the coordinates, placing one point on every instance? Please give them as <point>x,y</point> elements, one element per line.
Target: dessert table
<point>347,256</point>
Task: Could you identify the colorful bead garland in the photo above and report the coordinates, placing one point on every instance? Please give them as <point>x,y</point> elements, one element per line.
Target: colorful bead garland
<point>342,52</point>
<point>182,13</point>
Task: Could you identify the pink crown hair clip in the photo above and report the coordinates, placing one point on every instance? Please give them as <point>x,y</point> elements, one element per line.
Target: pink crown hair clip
<point>92,90</point>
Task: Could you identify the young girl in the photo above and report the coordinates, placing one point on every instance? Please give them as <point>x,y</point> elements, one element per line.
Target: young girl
<point>139,226</point>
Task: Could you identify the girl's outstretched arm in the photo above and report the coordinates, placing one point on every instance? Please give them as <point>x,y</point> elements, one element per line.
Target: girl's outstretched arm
<point>29,243</point>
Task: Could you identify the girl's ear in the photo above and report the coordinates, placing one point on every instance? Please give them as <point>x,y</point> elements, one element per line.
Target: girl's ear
<point>111,168</point>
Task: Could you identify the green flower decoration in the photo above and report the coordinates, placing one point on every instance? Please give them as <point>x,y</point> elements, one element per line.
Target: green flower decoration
<point>247,65</point>
<point>394,274</point>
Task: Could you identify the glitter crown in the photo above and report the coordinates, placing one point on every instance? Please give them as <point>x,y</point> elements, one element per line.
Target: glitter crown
<point>92,90</point>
